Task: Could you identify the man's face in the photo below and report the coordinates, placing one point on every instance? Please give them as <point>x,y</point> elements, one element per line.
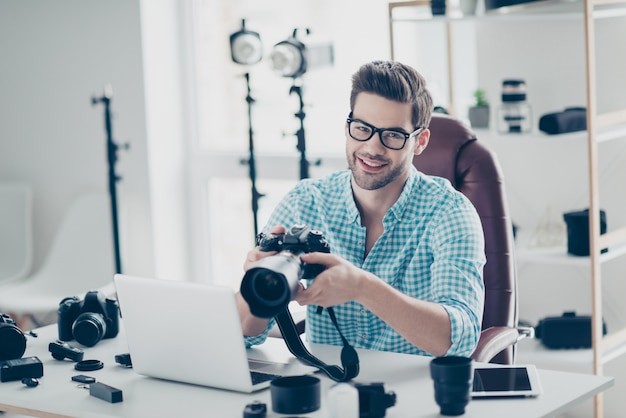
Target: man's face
<point>373,165</point>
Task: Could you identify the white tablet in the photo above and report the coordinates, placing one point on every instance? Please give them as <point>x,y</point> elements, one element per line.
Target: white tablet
<point>506,381</point>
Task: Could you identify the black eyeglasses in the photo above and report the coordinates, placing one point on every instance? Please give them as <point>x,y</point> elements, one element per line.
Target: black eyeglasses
<point>390,138</point>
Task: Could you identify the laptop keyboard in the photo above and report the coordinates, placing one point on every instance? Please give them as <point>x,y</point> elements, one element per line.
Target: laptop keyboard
<point>259,377</point>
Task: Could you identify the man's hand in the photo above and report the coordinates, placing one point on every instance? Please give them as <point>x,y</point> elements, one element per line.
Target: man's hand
<point>339,283</point>
<point>255,255</point>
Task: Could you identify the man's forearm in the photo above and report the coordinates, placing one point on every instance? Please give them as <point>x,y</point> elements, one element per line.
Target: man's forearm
<point>424,324</point>
<point>250,324</point>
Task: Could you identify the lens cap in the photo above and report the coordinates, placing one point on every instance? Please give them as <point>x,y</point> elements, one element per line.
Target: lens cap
<point>89,365</point>
<point>295,394</point>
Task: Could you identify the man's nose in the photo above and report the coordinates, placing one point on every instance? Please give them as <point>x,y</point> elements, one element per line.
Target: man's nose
<point>375,144</point>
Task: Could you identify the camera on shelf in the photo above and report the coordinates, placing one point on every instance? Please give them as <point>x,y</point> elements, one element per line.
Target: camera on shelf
<point>12,339</point>
<point>88,320</point>
<point>272,282</point>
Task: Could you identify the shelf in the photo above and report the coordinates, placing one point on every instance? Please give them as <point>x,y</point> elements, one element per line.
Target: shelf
<point>525,252</point>
<point>605,134</point>
<point>608,134</point>
<point>580,359</point>
<point>559,256</point>
<point>533,352</point>
<point>535,11</point>
<point>562,9</point>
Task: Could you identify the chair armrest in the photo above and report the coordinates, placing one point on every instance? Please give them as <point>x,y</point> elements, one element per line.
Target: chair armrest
<point>495,339</point>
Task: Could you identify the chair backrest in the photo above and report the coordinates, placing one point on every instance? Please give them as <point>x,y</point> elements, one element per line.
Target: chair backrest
<point>16,234</point>
<point>454,153</point>
<point>81,256</point>
<point>80,259</point>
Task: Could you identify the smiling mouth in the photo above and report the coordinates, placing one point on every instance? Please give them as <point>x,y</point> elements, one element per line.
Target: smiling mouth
<point>371,165</point>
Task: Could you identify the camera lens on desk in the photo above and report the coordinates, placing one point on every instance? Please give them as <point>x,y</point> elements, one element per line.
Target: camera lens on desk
<point>514,116</point>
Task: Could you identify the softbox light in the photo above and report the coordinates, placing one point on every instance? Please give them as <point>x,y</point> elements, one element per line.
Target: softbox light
<point>245,46</point>
<point>292,58</point>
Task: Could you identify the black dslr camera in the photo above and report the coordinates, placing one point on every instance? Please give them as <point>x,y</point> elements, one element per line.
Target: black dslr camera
<point>89,320</point>
<point>272,282</point>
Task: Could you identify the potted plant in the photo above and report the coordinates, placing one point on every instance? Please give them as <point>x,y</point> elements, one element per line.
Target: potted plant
<point>479,113</point>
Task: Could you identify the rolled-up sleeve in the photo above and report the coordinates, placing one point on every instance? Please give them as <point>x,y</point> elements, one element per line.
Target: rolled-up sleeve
<point>259,339</point>
<point>457,275</point>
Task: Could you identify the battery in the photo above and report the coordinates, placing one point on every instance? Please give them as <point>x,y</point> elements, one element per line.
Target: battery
<point>18,369</point>
<point>105,392</point>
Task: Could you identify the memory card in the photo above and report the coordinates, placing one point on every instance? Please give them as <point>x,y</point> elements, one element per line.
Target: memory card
<point>81,378</point>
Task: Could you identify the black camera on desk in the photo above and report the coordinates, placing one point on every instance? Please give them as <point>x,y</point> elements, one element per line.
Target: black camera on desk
<point>88,320</point>
<point>272,282</point>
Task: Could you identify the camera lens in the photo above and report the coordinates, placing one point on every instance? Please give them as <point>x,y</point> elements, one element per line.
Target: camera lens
<point>12,342</point>
<point>269,285</point>
<point>89,328</point>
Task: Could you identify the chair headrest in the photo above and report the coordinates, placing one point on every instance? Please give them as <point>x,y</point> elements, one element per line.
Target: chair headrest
<point>447,137</point>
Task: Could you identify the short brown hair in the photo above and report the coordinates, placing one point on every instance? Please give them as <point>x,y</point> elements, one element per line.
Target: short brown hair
<point>395,81</point>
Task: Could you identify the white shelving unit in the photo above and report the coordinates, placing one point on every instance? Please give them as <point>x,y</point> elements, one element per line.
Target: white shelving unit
<point>601,345</point>
<point>601,128</point>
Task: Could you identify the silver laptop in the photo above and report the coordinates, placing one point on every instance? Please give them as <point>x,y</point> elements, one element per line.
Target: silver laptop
<point>190,332</point>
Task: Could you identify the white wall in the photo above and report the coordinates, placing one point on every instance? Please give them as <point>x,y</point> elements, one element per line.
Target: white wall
<point>54,57</point>
<point>165,51</point>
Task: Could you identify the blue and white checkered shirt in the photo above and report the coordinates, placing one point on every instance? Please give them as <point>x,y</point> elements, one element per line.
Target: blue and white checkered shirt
<point>432,248</point>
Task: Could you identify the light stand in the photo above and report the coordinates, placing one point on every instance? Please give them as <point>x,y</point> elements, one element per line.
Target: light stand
<point>251,161</point>
<point>301,145</point>
<point>112,149</point>
<point>292,58</point>
<point>246,49</point>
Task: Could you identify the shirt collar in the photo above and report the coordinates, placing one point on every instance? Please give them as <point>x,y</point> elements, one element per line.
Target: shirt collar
<point>397,209</point>
<point>351,209</point>
<point>412,183</point>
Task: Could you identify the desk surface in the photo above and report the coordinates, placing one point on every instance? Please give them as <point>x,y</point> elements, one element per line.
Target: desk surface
<point>406,375</point>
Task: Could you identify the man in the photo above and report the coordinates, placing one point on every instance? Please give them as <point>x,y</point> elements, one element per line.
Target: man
<point>407,250</point>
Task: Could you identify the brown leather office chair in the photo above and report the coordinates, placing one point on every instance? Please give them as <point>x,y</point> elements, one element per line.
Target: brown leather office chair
<point>454,153</point>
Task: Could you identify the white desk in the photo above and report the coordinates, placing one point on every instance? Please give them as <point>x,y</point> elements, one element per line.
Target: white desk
<point>406,375</point>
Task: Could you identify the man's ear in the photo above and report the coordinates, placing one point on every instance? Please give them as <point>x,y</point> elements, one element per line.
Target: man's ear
<point>421,142</point>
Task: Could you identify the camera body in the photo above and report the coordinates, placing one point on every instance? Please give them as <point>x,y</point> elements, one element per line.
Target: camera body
<point>88,320</point>
<point>373,400</point>
<point>272,282</point>
<point>12,339</point>
<point>299,239</point>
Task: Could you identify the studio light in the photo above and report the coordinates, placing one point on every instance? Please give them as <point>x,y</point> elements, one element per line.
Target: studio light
<point>246,49</point>
<point>292,58</point>
<point>245,46</point>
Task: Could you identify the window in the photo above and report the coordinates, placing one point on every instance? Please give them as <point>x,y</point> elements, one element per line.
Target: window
<point>220,186</point>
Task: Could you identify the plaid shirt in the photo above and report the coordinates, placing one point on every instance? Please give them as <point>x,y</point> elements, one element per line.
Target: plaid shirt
<point>432,248</point>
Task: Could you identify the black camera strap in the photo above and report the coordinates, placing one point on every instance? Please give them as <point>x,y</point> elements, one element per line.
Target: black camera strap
<point>349,356</point>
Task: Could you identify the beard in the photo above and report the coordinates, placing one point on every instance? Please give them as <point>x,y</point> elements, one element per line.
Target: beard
<point>374,181</point>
